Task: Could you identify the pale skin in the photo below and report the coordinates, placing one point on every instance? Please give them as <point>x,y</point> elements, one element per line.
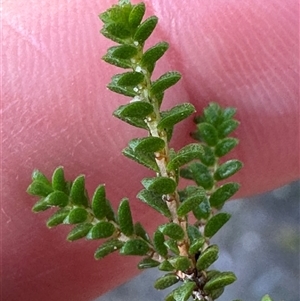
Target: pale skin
<point>58,112</point>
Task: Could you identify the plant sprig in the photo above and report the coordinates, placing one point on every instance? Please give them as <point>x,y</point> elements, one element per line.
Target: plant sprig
<point>181,247</point>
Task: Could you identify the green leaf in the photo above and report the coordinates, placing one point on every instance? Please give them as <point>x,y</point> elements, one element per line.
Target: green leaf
<point>57,198</point>
<point>141,232</point>
<point>191,202</point>
<point>185,155</point>
<point>125,218</point>
<point>223,193</point>
<point>145,159</point>
<point>145,29</point>
<point>213,114</point>
<point>138,109</point>
<point>166,281</point>
<point>160,185</point>
<point>102,229</point>
<point>227,127</point>
<point>266,298</point>
<point>175,115</point>
<point>207,258</point>
<point>108,247</point>
<point>193,233</point>
<point>207,157</point>
<point>78,193</point>
<point>58,217</point>
<point>225,146</point>
<point>219,281</point>
<point>196,245</point>
<point>181,263</point>
<point>79,231</point>
<point>183,292</point>
<point>172,230</point>
<point>215,223</point>
<point>116,32</point>
<point>41,205</point>
<point>202,175</point>
<point>135,247</point>
<point>153,54</point>
<point>40,177</point>
<point>58,180</point>
<point>147,263</point>
<point>203,210</point>
<point>114,86</point>
<point>147,144</point>
<point>164,82</point>
<point>171,244</point>
<point>136,15</point>
<point>130,78</point>
<point>39,188</point>
<point>120,55</point>
<point>228,169</point>
<point>208,133</point>
<point>158,241</point>
<point>155,201</point>
<point>99,202</point>
<point>228,113</point>
<point>166,266</point>
<point>217,293</point>
<point>76,216</point>
<point>110,214</point>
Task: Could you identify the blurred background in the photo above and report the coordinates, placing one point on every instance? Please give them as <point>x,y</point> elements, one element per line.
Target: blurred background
<point>260,244</point>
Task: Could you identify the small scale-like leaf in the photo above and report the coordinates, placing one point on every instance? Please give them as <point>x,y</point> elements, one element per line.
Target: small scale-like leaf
<point>125,218</point>
<point>138,109</point>
<point>171,244</point>
<point>58,217</point>
<point>126,90</point>
<point>79,231</point>
<point>122,51</point>
<point>207,157</point>
<point>191,202</point>
<point>141,232</point>
<point>166,281</point>
<point>181,263</point>
<point>185,155</point>
<point>219,281</point>
<point>203,210</point>
<point>40,177</point>
<point>99,202</point>
<point>102,229</point>
<point>136,15</point>
<point>39,188</point>
<point>213,114</point>
<point>266,298</point>
<point>78,192</point>
<point>58,179</point>
<point>228,113</point>
<point>215,223</point>
<point>228,169</point>
<point>76,216</point>
<point>155,201</point>
<point>108,247</point>
<point>207,257</point>
<point>175,115</point>
<point>196,245</point>
<point>158,241</point>
<point>225,146</point>
<point>227,127</point>
<point>135,247</point>
<point>57,198</point>
<point>145,29</point>
<point>193,233</point>
<point>166,266</point>
<point>153,54</point>
<point>172,230</point>
<point>147,144</point>
<point>183,292</point>
<point>147,263</point>
<point>160,185</point>
<point>164,82</point>
<point>143,158</point>
<point>130,78</point>
<point>116,32</point>
<point>208,133</point>
<point>217,293</point>
<point>40,205</point>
